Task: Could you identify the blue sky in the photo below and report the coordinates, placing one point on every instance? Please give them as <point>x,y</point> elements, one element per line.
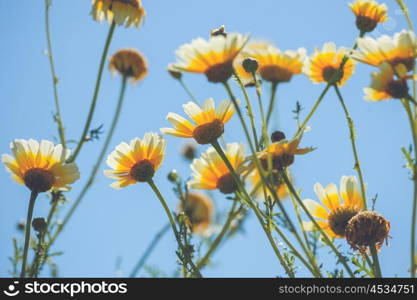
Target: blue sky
<point>115,225</point>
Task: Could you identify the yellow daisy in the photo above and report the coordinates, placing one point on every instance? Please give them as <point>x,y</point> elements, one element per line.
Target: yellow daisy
<point>214,57</point>
<point>323,65</point>
<point>279,185</point>
<point>384,85</point>
<point>282,153</point>
<point>274,65</point>
<point>199,211</point>
<point>209,121</point>
<point>122,12</point>
<point>129,63</point>
<point>137,161</point>
<point>335,215</point>
<point>210,172</point>
<point>368,14</point>
<point>400,49</point>
<point>40,165</point>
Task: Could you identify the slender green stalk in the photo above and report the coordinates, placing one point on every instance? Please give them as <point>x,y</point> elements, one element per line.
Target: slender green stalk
<point>377,267</point>
<point>323,233</point>
<point>261,108</point>
<point>149,250</point>
<point>58,116</point>
<point>32,201</point>
<point>351,127</point>
<point>274,86</point>
<point>232,214</point>
<point>95,95</point>
<point>187,90</point>
<point>174,227</point>
<point>413,267</point>
<point>250,111</point>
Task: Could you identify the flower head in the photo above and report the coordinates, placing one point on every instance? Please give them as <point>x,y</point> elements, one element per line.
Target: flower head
<point>385,85</point>
<point>210,172</point>
<point>209,121</point>
<point>335,215</point>
<point>129,63</point>
<point>368,14</point>
<point>274,65</point>
<point>324,65</point>
<point>366,229</point>
<point>122,12</point>
<point>137,161</point>
<point>400,49</point>
<point>214,57</point>
<point>199,210</point>
<point>40,165</point>
<point>278,184</point>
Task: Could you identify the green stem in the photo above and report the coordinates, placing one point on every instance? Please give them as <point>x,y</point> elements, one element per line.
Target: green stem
<point>203,261</point>
<point>58,116</point>
<point>148,251</point>
<point>377,267</point>
<point>187,90</point>
<point>323,233</point>
<point>261,108</point>
<point>274,86</point>
<point>95,95</point>
<point>32,201</point>
<point>174,227</point>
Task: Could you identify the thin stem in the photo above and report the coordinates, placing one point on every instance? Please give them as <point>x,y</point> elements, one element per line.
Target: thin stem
<point>377,267</point>
<point>203,261</point>
<point>174,227</point>
<point>274,86</point>
<point>32,201</point>
<point>351,127</point>
<point>250,111</point>
<point>187,90</point>
<point>261,108</point>
<point>95,95</point>
<point>149,250</point>
<point>58,116</point>
<point>323,233</point>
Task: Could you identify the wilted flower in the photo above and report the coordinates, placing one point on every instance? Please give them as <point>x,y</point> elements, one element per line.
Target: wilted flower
<point>40,165</point>
<point>368,14</point>
<point>137,161</point>
<point>130,64</point>
<point>122,12</point>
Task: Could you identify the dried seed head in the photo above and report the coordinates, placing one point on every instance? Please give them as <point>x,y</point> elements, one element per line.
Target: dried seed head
<point>39,180</point>
<point>142,171</point>
<point>189,151</point>
<point>208,133</point>
<point>365,229</point>
<point>129,63</point>
<point>250,65</point>
<point>277,136</point>
<point>39,224</point>
<point>227,184</point>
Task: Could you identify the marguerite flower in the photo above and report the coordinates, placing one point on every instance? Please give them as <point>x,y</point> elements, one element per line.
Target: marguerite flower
<point>401,49</point>
<point>385,85</point>
<point>335,214</point>
<point>214,57</point>
<point>210,172</point>
<point>40,165</point>
<point>122,12</point>
<point>137,161</point>
<point>130,64</point>
<point>368,14</point>
<point>209,121</point>
<point>323,65</point>
<point>274,65</point>
<point>199,211</point>
<point>258,189</point>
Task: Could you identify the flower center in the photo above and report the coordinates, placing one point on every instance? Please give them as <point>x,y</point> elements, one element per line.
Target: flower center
<point>397,89</point>
<point>407,62</point>
<point>331,75</point>
<point>365,24</point>
<point>339,218</point>
<point>279,162</point>
<point>142,171</point>
<point>133,3</point>
<point>208,133</point>
<point>226,184</point>
<point>275,74</point>
<point>220,72</point>
<point>39,180</point>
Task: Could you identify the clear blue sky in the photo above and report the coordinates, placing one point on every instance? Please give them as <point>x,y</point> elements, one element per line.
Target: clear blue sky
<point>114,224</point>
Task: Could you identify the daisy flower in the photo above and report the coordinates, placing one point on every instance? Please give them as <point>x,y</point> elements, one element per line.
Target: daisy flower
<point>368,14</point>
<point>122,12</point>
<point>130,64</point>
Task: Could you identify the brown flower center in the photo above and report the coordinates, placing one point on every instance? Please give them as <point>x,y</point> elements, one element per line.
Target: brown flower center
<point>275,74</point>
<point>142,171</point>
<point>39,180</point>
<point>220,72</point>
<point>365,24</point>
<point>408,62</point>
<point>134,3</point>
<point>339,218</point>
<point>226,184</point>
<point>208,133</point>
<point>279,162</point>
<point>332,75</point>
<point>397,89</point>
